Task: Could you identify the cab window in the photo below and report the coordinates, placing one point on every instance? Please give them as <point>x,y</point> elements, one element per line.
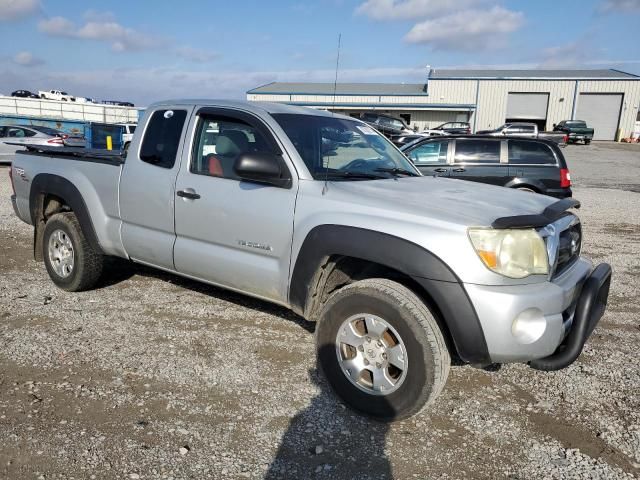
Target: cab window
<point>162,138</point>
<point>219,143</point>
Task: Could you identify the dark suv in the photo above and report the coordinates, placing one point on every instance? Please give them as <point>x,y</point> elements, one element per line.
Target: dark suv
<point>386,124</point>
<point>455,128</point>
<point>527,164</point>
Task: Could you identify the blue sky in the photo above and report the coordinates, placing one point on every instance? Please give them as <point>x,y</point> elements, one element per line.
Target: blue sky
<point>150,50</point>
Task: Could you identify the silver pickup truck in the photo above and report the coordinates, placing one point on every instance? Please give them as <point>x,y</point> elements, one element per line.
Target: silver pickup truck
<point>322,214</point>
<point>526,130</point>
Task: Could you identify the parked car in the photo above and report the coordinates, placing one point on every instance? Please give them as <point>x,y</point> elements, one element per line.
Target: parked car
<point>455,128</point>
<point>84,100</point>
<point>401,140</point>
<point>127,134</point>
<point>386,124</point>
<point>56,95</point>
<point>525,130</point>
<point>117,103</point>
<point>576,130</point>
<point>399,271</point>
<point>33,134</point>
<point>24,94</point>
<point>526,164</point>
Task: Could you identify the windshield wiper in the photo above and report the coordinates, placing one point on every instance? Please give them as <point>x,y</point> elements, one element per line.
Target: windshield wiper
<point>397,171</point>
<point>347,174</point>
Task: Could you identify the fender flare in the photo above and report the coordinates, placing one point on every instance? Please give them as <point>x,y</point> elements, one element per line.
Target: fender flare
<point>429,271</point>
<point>50,184</point>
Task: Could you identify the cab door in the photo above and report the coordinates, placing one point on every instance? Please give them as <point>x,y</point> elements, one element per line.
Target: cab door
<point>431,157</point>
<point>231,232</point>
<point>147,188</point>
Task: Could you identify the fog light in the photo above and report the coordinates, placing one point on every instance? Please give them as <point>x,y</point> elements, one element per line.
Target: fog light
<point>529,326</point>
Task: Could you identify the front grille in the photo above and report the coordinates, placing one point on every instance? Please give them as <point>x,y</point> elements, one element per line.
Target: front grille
<point>569,245</point>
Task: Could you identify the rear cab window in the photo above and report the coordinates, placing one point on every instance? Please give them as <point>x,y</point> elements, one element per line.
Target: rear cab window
<point>162,137</point>
<point>477,151</point>
<point>522,152</point>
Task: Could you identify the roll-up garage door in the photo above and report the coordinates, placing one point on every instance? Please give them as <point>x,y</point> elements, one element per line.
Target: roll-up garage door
<point>530,106</point>
<point>601,111</point>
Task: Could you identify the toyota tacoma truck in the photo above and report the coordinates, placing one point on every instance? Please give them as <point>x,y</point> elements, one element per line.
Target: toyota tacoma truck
<point>322,214</point>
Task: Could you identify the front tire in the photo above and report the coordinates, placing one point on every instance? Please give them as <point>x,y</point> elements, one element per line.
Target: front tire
<point>381,349</point>
<point>70,261</point>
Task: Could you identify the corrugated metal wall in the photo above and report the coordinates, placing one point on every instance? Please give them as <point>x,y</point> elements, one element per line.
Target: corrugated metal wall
<point>88,112</point>
<point>493,94</point>
<point>491,98</point>
<point>630,100</point>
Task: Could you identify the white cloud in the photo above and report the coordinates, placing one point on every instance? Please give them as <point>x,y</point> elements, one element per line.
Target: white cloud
<point>57,26</point>
<point>121,39</point>
<point>620,6</point>
<point>27,59</point>
<point>385,10</point>
<point>570,54</point>
<point>17,9</point>
<point>467,30</point>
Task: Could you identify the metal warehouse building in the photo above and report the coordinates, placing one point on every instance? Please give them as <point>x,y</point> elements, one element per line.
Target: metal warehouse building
<point>607,100</point>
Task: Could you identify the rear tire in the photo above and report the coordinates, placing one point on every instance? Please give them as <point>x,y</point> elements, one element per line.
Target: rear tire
<point>70,261</point>
<point>394,327</point>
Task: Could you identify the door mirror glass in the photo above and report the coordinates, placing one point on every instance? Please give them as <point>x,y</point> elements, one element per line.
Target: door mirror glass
<point>261,168</point>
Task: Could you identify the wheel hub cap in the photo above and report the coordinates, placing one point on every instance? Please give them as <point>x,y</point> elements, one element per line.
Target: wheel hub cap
<point>371,354</point>
<point>61,255</point>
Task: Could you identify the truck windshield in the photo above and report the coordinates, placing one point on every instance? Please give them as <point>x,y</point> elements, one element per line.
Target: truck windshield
<point>343,148</point>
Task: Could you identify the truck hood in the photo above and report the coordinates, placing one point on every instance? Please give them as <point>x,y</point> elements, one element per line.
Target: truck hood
<point>461,202</point>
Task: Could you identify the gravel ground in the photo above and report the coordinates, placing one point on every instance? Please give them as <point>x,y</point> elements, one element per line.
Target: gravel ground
<point>153,376</point>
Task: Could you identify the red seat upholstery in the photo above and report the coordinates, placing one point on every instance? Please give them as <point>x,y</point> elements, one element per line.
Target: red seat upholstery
<point>215,167</point>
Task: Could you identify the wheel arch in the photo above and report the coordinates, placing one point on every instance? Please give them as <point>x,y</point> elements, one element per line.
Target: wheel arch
<point>332,256</point>
<point>51,194</point>
<point>530,183</point>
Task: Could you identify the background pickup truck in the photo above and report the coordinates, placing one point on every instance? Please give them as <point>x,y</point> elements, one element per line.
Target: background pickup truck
<point>322,214</point>
<point>576,130</point>
<point>56,95</point>
<point>525,130</point>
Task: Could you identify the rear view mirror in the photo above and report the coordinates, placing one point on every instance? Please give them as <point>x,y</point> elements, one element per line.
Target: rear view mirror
<point>262,168</point>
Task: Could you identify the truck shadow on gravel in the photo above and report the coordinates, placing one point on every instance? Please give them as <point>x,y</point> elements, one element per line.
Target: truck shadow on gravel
<point>118,271</point>
<point>329,440</point>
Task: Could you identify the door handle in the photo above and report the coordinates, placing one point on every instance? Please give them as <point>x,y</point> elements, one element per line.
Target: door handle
<point>190,195</point>
<point>440,170</point>
<point>459,170</point>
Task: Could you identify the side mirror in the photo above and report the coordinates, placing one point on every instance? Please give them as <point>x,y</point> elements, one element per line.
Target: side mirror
<point>262,168</point>
<point>554,125</point>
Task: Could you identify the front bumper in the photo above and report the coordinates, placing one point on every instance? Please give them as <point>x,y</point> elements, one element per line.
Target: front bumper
<point>523,323</point>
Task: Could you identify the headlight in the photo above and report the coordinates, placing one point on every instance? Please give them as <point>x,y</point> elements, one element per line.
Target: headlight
<point>512,253</point>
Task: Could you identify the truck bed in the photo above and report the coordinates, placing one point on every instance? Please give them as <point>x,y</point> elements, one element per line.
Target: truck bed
<point>114,157</point>
<point>94,173</point>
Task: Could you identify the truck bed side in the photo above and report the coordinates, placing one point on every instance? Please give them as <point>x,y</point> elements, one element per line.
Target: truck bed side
<point>88,183</point>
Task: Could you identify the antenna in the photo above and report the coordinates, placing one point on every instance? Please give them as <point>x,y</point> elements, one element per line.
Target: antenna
<point>333,107</point>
